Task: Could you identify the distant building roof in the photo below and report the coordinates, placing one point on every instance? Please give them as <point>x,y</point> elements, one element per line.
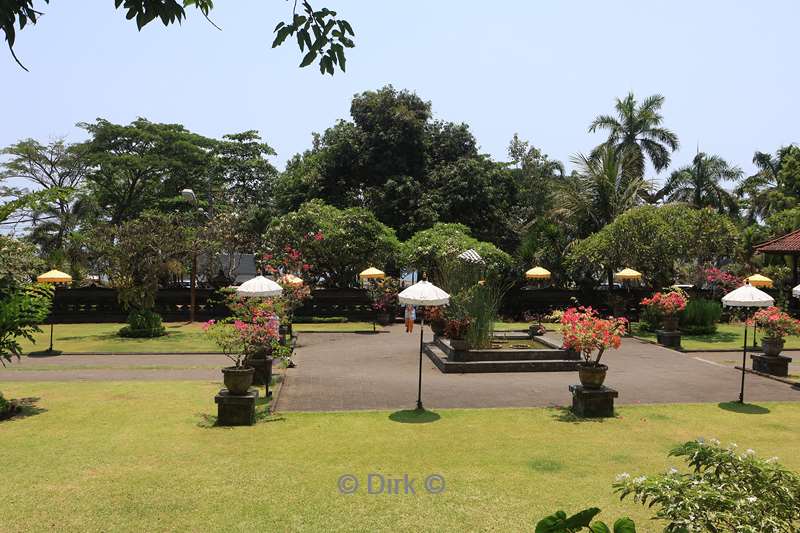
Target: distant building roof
<point>788,244</point>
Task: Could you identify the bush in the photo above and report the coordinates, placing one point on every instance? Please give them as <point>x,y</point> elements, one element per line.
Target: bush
<point>700,317</point>
<point>143,324</point>
<point>649,319</point>
<point>723,490</point>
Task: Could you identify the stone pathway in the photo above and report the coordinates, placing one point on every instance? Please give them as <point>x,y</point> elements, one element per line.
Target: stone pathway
<point>343,372</point>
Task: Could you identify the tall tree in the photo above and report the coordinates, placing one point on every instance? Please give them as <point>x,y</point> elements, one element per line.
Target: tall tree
<point>776,184</point>
<point>699,184</point>
<point>603,186</point>
<point>56,166</point>
<point>244,176</point>
<point>637,128</point>
<point>143,164</point>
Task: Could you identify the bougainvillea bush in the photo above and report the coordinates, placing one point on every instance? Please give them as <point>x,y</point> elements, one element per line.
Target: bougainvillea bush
<point>774,323</point>
<point>666,304</point>
<point>585,332</point>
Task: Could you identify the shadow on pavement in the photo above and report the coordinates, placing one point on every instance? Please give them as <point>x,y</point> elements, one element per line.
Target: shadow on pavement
<point>744,408</point>
<point>45,353</point>
<point>414,416</point>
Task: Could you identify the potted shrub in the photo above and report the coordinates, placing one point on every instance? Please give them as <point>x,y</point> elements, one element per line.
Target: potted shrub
<point>667,306</point>
<point>238,377</point>
<point>384,300</point>
<point>775,325</point>
<point>456,330</point>
<point>586,333</point>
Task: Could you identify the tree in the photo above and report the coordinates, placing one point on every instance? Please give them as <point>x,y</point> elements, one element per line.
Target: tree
<point>142,165</point>
<point>244,177</point>
<point>138,253</point>
<point>426,249</point>
<point>699,184</point>
<point>319,33</point>
<point>653,240</point>
<point>337,244</point>
<point>56,165</point>
<point>637,128</point>
<point>603,186</point>
<point>775,186</point>
<point>19,260</point>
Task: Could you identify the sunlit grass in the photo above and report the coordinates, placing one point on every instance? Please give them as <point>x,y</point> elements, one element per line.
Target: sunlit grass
<point>728,336</point>
<point>139,456</point>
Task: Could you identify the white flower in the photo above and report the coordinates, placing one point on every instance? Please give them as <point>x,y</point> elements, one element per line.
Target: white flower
<point>673,471</point>
<point>732,446</point>
<point>714,441</point>
<point>772,460</point>
<point>750,451</point>
<point>623,476</point>
<point>752,499</point>
<point>639,480</point>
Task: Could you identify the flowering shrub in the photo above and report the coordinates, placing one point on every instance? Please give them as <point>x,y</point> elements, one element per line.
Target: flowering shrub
<point>666,304</point>
<point>228,340</point>
<point>584,331</point>
<point>242,337</point>
<point>721,279</point>
<point>725,490</point>
<point>775,323</point>
<point>384,294</point>
<point>456,328</point>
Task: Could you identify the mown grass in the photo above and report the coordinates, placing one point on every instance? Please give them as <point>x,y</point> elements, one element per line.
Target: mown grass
<point>139,456</point>
<point>180,337</point>
<point>728,336</point>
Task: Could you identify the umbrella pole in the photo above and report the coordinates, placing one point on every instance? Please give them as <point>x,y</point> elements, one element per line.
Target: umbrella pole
<point>419,382</point>
<point>50,349</point>
<point>744,362</point>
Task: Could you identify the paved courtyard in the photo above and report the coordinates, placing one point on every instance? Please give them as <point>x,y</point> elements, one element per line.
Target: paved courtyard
<point>347,371</point>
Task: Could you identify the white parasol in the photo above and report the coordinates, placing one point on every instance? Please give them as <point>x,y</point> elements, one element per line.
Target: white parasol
<point>746,296</point>
<point>422,293</point>
<point>259,286</point>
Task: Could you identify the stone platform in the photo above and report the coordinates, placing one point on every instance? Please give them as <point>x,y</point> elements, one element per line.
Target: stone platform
<point>236,410</point>
<point>593,403</point>
<point>669,339</point>
<point>774,365</point>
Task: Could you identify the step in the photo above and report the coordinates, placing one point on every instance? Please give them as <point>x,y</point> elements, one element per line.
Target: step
<point>441,361</point>
<point>508,354</point>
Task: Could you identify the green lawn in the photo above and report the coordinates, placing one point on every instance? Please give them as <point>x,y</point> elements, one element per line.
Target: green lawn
<point>139,456</point>
<point>728,336</point>
<point>180,337</point>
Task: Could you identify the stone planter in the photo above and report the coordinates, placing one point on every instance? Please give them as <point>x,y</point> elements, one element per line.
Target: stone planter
<point>772,346</point>
<point>438,327</point>
<point>592,376</point>
<point>669,323</point>
<point>263,370</point>
<point>669,339</point>
<point>459,345</point>
<point>238,380</point>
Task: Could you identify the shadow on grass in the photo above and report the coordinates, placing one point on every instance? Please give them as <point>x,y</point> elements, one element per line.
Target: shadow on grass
<point>45,353</point>
<point>414,416</point>
<point>565,414</point>
<point>23,408</point>
<point>743,408</point>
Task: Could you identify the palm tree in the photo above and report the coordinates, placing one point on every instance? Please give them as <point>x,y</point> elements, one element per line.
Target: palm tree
<point>764,191</point>
<point>603,186</point>
<point>699,185</point>
<point>637,128</point>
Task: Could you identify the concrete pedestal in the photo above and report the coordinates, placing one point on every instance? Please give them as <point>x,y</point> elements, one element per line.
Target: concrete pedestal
<point>669,339</point>
<point>263,373</point>
<point>777,365</point>
<point>235,410</point>
<point>593,403</point>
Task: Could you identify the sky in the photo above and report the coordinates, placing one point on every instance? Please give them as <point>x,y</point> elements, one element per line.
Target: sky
<point>543,69</point>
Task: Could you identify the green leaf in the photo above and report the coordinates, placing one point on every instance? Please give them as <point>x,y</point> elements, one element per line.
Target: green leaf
<point>309,58</point>
<point>599,527</point>
<point>624,525</point>
<point>581,519</point>
<point>552,524</point>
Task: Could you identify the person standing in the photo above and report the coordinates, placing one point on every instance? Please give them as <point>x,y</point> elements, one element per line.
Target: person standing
<point>410,316</point>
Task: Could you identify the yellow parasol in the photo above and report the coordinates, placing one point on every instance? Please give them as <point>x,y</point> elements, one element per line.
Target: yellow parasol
<point>372,273</point>
<point>537,273</point>
<point>291,280</point>
<point>54,276</point>
<point>757,280</point>
<point>627,274</point>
